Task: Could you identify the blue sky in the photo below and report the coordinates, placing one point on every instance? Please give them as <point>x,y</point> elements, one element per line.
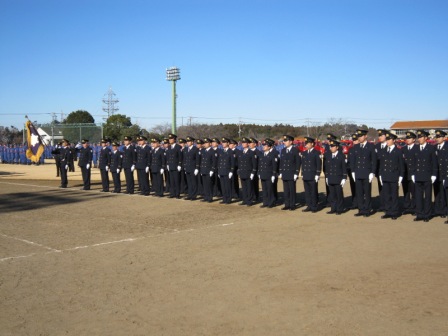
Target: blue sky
<point>261,61</point>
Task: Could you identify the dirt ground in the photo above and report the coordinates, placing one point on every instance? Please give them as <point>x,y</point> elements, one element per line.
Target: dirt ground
<point>78,262</point>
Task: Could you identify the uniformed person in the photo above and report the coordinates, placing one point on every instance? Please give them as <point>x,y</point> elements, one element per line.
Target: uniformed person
<point>424,175</point>
<point>326,145</point>
<point>226,169</point>
<point>129,161</point>
<point>208,169</point>
<point>192,163</point>
<point>166,172</point>
<point>380,149</point>
<point>391,173</point>
<point>335,170</point>
<point>157,164</point>
<point>217,190</point>
<point>57,157</point>
<point>73,158</point>
<point>234,180</point>
<point>104,164</point>
<point>65,156</point>
<point>174,165</point>
<point>183,177</point>
<point>85,163</point>
<point>267,171</point>
<point>256,181</point>
<point>116,162</point>
<point>442,159</point>
<point>200,147</point>
<point>311,169</point>
<point>246,170</point>
<point>363,166</point>
<point>409,185</point>
<point>142,165</point>
<point>349,173</point>
<point>289,167</point>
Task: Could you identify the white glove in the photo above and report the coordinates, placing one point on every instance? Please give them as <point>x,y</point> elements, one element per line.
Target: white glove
<point>343,182</point>
<point>316,178</point>
<point>88,166</point>
<point>211,173</point>
<point>295,177</point>
<point>252,176</point>
<point>118,171</point>
<point>259,176</point>
<point>353,175</point>
<point>167,167</point>
<point>66,167</point>
<point>161,170</point>
<point>400,179</point>
<point>219,176</point>
<point>273,179</point>
<point>179,168</point>
<point>381,180</point>
<point>326,181</point>
<point>147,169</point>
<point>230,175</point>
<point>196,171</point>
<point>132,168</point>
<point>413,178</point>
<point>280,176</point>
<point>371,176</point>
<point>433,179</point>
<point>443,182</point>
<point>107,168</point>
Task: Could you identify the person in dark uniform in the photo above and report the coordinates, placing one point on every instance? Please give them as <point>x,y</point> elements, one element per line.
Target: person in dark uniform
<point>289,167</point>
<point>208,169</point>
<point>311,169</point>
<point>129,160</point>
<point>65,155</point>
<point>183,177</point>
<point>166,172</point>
<point>217,190</point>
<point>57,157</point>
<point>157,163</point>
<point>142,165</point>
<point>424,175</point>
<point>275,184</point>
<point>439,190</point>
<point>192,163</point>
<point>391,174</point>
<point>409,185</point>
<point>256,181</point>
<point>442,159</point>
<point>335,171</point>
<point>349,173</point>
<point>174,165</point>
<point>200,147</point>
<point>234,180</point>
<point>246,170</point>
<point>85,163</point>
<point>267,171</point>
<point>104,164</point>
<point>116,162</point>
<point>326,146</point>
<point>73,158</point>
<point>380,149</point>
<point>226,169</point>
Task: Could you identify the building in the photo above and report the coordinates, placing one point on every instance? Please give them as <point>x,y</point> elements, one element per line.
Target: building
<point>400,127</point>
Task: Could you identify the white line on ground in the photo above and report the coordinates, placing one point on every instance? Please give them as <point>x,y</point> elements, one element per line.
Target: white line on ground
<point>30,242</point>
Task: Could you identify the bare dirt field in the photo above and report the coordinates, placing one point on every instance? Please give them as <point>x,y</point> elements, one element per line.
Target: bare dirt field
<point>78,262</point>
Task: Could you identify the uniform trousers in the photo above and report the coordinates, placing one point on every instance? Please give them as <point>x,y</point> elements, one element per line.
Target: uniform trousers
<point>423,199</point>
<point>256,186</point>
<point>117,181</point>
<point>267,188</point>
<point>439,198</point>
<point>336,197</point>
<point>390,197</point>
<point>174,183</point>
<point>143,181</point>
<point>86,177</point>
<point>104,179</point>
<point>183,182</point>
<point>289,193</point>
<point>64,180</point>
<point>226,186</point>
<point>157,183</point>
<point>381,195</point>
<point>247,192</point>
<point>130,183</point>
<point>192,185</point>
<point>364,195</point>
<point>207,187</point>
<point>311,195</point>
<point>409,195</point>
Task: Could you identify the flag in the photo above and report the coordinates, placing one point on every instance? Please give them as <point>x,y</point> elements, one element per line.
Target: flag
<point>35,145</point>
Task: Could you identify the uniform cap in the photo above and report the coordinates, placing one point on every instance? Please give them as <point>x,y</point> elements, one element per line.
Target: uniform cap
<point>361,132</point>
<point>233,142</point>
<point>382,132</point>
<point>331,136</point>
<point>410,135</point>
<point>268,142</point>
<point>354,136</point>
<point>422,133</point>
<point>190,138</point>
<point>216,140</point>
<point>288,138</point>
<point>155,140</point>
<point>141,137</point>
<point>390,136</point>
<point>253,140</point>
<point>115,144</point>
<point>440,134</point>
<point>334,143</point>
<point>207,140</point>
<point>172,136</point>
<point>65,140</point>
<point>181,140</point>
<point>166,141</point>
<point>309,140</point>
<point>200,141</point>
<point>245,140</point>
<point>225,140</point>
<point>128,138</point>
<point>84,141</point>
<point>103,140</point>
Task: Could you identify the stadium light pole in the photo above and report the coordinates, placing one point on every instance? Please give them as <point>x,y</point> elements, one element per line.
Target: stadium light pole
<point>173,75</point>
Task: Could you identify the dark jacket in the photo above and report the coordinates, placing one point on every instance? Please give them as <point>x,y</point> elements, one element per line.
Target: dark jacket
<point>116,161</point>
<point>129,156</point>
<point>268,164</point>
<point>311,164</point>
<point>191,159</point>
<point>425,163</point>
<point>335,169</point>
<point>290,163</point>
<point>157,159</point>
<point>85,156</point>
<point>391,165</point>
<point>246,163</point>
<point>363,161</point>
<point>226,161</point>
<point>104,158</point>
<point>174,157</point>
<point>143,157</point>
<point>408,156</point>
<point>209,159</point>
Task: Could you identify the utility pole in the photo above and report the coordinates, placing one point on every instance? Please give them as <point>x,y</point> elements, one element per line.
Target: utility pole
<point>109,100</point>
<point>239,128</point>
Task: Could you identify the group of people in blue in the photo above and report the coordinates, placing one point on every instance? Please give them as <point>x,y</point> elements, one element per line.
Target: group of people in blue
<point>212,169</point>
<point>16,154</point>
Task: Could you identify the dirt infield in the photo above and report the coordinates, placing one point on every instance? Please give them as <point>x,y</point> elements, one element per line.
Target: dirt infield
<point>78,262</point>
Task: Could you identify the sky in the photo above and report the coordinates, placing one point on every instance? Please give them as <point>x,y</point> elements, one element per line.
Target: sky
<point>250,61</point>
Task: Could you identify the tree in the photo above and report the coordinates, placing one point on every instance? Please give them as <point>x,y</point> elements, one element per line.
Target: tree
<point>77,126</point>
<point>79,117</point>
<point>118,125</point>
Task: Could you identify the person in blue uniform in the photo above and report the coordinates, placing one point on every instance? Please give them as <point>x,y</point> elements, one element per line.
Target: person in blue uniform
<point>267,170</point>
<point>354,204</point>
<point>290,162</point>
<point>363,163</point>
<point>326,145</point>
<point>166,173</point>
<point>246,170</point>
<point>217,190</point>
<point>439,190</point>
<point>85,163</point>
<point>116,164</point>
<point>311,169</point>
<point>391,172</point>
<point>253,144</point>
<point>129,161</point>
<point>104,164</point>
<point>380,149</point>
<point>57,157</point>
<point>200,147</point>
<point>174,165</point>
<point>183,177</point>
<point>442,160</point>
<point>191,163</point>
<point>142,165</point>
<point>208,169</point>
<point>424,175</point>
<point>65,155</point>
<point>234,180</point>
<point>409,185</point>
<point>335,171</point>
<point>157,164</point>
<point>226,168</point>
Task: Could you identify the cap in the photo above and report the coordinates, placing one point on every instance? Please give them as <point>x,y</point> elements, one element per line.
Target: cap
<point>102,140</point>
<point>268,142</point>
<point>309,140</point>
<point>334,143</point>
<point>200,141</point>
<point>331,136</point>
<point>225,140</point>
<point>207,140</point>
<point>142,138</point>
<point>245,140</point>
<point>253,140</point>
<point>361,132</point>
<point>410,135</point>
<point>216,140</point>
<point>65,140</point>
<point>181,140</point>
<point>155,140</point>
<point>190,138</point>
<point>422,133</point>
<point>390,136</point>
<point>166,141</point>
<point>84,141</point>
<point>440,134</point>
<point>288,138</point>
<point>172,136</point>
<point>354,136</point>
<point>233,142</point>
<point>128,138</point>
<point>382,132</point>
<point>115,144</point>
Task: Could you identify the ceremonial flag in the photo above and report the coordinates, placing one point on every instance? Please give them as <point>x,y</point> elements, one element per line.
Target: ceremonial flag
<point>35,145</point>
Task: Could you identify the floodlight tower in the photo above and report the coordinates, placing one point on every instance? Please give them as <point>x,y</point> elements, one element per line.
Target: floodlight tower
<point>173,75</point>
